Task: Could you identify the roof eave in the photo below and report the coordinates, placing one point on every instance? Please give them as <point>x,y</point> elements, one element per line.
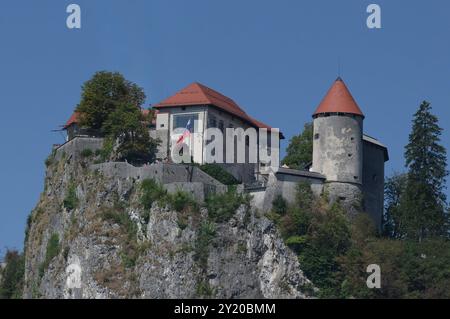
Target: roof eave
<point>316,114</point>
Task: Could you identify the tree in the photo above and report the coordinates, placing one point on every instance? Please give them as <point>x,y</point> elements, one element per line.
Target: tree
<point>102,95</point>
<point>424,202</point>
<point>126,125</point>
<point>11,284</point>
<point>394,188</point>
<point>112,105</point>
<point>317,232</point>
<point>410,269</point>
<point>300,149</point>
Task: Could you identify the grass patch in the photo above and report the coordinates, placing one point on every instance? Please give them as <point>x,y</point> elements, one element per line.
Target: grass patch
<point>182,202</point>
<point>204,289</point>
<point>131,249</point>
<point>87,153</point>
<point>120,217</point>
<point>205,236</point>
<point>71,200</point>
<point>152,192</point>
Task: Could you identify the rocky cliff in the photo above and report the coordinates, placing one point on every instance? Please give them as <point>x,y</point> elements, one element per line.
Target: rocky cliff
<point>90,237</point>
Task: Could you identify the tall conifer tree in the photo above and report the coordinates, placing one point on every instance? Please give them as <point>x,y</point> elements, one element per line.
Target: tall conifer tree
<point>424,204</point>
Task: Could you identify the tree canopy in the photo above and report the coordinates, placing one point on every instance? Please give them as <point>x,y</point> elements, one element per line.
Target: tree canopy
<point>300,149</point>
<point>134,144</point>
<point>112,105</point>
<point>101,96</point>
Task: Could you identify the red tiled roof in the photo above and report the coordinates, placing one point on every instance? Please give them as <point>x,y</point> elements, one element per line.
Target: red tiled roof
<point>199,94</point>
<point>73,119</point>
<point>339,100</point>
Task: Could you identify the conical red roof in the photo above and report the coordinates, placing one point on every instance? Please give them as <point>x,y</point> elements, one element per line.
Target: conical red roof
<point>338,100</point>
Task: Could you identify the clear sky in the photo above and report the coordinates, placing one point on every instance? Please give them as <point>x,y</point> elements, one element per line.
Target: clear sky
<point>276,59</point>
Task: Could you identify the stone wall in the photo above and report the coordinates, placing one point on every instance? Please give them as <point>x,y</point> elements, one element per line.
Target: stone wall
<point>284,182</point>
<point>244,173</point>
<point>373,181</point>
<point>74,147</point>
<point>173,176</point>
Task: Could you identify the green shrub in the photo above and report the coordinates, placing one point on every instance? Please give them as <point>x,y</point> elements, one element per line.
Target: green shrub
<point>121,218</point>
<point>28,227</point>
<point>219,173</point>
<point>52,251</point>
<point>296,242</point>
<point>221,207</point>
<point>279,205</point>
<point>204,289</point>
<point>181,201</point>
<point>152,192</point>
<point>87,153</point>
<point>71,201</point>
<point>11,283</point>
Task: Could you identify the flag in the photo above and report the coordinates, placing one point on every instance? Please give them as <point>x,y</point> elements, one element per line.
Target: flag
<point>187,132</point>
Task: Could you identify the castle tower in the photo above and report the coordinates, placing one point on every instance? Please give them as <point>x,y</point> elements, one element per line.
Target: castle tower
<point>338,144</point>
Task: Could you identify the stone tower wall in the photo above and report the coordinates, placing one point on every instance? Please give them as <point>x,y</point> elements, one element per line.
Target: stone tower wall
<point>338,148</point>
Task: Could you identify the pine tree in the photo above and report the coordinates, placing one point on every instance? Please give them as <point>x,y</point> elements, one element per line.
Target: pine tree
<point>424,202</point>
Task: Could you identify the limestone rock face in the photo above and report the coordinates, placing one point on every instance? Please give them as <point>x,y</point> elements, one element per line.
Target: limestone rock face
<point>109,246</point>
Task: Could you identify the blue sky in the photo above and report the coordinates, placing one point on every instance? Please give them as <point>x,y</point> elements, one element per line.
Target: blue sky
<point>276,59</point>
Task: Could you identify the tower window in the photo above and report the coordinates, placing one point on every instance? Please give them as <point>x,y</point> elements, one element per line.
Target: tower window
<point>316,136</point>
<point>375,177</point>
<point>349,155</point>
<point>352,138</point>
<point>355,177</point>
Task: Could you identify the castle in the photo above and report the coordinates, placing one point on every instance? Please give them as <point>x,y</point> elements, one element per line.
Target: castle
<point>347,164</point>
